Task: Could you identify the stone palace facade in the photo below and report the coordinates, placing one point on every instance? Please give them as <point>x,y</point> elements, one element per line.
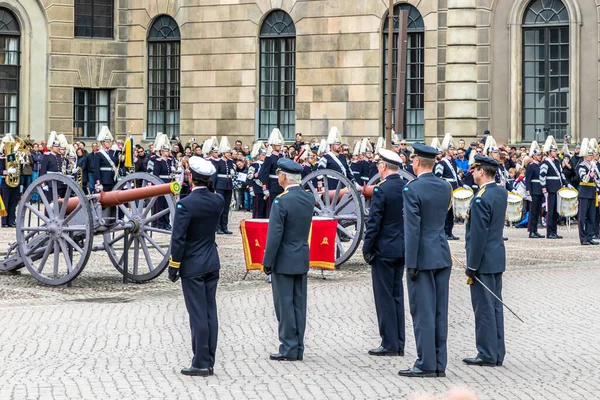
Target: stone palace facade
<point>239,68</point>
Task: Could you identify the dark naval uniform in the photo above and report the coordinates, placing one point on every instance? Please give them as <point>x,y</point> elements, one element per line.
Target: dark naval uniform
<point>268,177</point>
<point>446,170</point>
<point>587,202</point>
<point>287,255</point>
<point>552,179</point>
<point>10,195</point>
<point>163,169</point>
<point>470,182</point>
<point>372,169</point>
<point>426,203</point>
<point>260,204</point>
<point>337,163</point>
<point>384,239</point>
<point>486,258</point>
<point>360,171</point>
<point>224,186</point>
<point>52,163</point>
<point>106,166</point>
<point>194,253</point>
<point>534,188</point>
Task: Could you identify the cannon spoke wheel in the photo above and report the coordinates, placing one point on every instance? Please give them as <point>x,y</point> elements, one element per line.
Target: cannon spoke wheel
<point>148,243</point>
<point>343,204</point>
<point>54,246</point>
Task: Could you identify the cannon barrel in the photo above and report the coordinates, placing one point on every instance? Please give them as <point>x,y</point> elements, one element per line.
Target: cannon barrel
<point>366,191</point>
<point>117,197</point>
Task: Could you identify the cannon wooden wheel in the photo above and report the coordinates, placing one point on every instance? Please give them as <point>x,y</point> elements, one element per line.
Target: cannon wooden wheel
<point>54,246</point>
<point>343,203</point>
<point>148,245</point>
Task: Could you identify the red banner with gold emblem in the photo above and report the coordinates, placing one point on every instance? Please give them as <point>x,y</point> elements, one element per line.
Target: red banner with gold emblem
<point>321,241</point>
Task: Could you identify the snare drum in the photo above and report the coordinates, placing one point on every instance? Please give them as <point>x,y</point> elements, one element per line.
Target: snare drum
<point>514,207</point>
<point>461,199</point>
<point>566,202</point>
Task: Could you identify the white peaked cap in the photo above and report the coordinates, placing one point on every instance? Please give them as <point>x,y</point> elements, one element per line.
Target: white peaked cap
<point>535,147</point>
<point>379,145</point>
<point>357,148</point>
<point>334,136</point>
<point>224,146</point>
<point>276,138</point>
<point>447,142</point>
<point>435,143</point>
<point>390,156</point>
<point>550,142</point>
<point>105,134</point>
<point>52,139</point>
<point>322,147</point>
<point>202,167</point>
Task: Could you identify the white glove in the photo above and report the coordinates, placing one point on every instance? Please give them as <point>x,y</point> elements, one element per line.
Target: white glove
<point>99,187</point>
<point>357,186</point>
<point>114,147</point>
<point>45,188</point>
<point>11,171</point>
<point>266,193</point>
<point>251,191</point>
<point>179,170</point>
<point>570,186</point>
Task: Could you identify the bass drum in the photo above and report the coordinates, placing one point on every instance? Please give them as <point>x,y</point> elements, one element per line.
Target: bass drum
<point>566,202</point>
<point>514,207</point>
<point>461,200</point>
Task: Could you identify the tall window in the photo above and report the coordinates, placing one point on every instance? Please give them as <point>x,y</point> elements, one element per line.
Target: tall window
<point>545,70</point>
<point>163,77</point>
<point>414,116</point>
<point>277,75</point>
<point>10,35</point>
<point>94,18</point>
<point>91,112</point>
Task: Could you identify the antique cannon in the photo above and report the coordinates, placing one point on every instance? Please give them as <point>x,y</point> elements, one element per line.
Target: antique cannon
<point>48,227</point>
<point>346,204</point>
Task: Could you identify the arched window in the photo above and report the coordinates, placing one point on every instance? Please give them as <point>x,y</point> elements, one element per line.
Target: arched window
<point>277,75</point>
<point>10,35</point>
<point>163,77</point>
<point>545,70</point>
<point>414,119</point>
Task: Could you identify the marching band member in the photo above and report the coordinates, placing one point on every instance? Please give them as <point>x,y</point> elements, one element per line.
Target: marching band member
<point>164,169</point>
<point>224,183</point>
<point>534,189</point>
<point>588,184</point>
<point>335,160</point>
<point>106,170</point>
<point>268,173</point>
<point>446,169</point>
<point>52,162</point>
<point>552,179</point>
<point>256,187</point>
<point>10,195</point>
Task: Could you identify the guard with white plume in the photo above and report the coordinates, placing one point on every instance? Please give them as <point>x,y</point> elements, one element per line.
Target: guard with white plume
<point>223,181</point>
<point>268,173</point>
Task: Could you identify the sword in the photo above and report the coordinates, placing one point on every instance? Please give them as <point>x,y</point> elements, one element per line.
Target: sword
<point>470,282</point>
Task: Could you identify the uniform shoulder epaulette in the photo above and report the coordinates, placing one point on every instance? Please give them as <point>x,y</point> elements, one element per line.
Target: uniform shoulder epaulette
<point>481,191</point>
<point>381,182</point>
<point>285,192</point>
<point>411,181</point>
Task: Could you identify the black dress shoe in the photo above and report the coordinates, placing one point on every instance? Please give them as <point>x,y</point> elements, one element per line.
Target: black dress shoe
<point>168,227</point>
<point>415,372</point>
<point>553,236</point>
<point>535,235</point>
<point>220,232</point>
<point>558,236</point>
<point>441,374</point>
<point>281,357</point>
<point>227,232</point>
<point>505,238</point>
<point>451,237</point>
<point>594,243</point>
<point>381,351</point>
<point>499,364</point>
<point>478,361</point>
<point>193,371</point>
<point>300,357</point>
<point>13,225</point>
<point>211,371</point>
<point>586,243</point>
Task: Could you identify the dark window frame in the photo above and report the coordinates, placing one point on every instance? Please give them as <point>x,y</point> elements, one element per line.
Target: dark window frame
<point>414,110</point>
<point>545,71</point>
<point>86,24</point>
<point>277,76</point>
<point>90,127</point>
<point>164,48</point>
<point>10,29</point>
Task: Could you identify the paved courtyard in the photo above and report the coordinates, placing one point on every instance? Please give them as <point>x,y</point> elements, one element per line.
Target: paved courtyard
<point>101,339</point>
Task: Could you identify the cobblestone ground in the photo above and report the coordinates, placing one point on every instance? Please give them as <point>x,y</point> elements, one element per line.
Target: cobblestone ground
<point>100,339</point>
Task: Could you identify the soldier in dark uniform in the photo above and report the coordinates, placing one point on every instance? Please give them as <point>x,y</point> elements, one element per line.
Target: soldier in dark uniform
<point>309,165</point>
<point>446,169</point>
<point>52,163</point>
<point>588,184</point>
<point>552,179</point>
<point>486,260</point>
<point>268,173</point>
<point>106,172</point>
<point>260,204</point>
<point>163,168</point>
<point>383,249</point>
<point>194,258</point>
<point>10,195</point>
<point>428,264</point>
<point>534,189</point>
<point>287,259</point>
<point>224,186</point>
<point>335,160</point>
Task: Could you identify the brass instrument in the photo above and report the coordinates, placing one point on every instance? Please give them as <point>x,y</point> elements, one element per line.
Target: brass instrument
<point>13,151</point>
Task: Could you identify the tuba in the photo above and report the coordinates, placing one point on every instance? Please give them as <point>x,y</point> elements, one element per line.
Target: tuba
<point>13,150</point>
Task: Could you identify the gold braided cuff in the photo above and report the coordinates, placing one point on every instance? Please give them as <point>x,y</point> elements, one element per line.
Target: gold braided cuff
<point>174,264</point>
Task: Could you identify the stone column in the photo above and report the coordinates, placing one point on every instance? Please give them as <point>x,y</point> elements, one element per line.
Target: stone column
<point>461,69</point>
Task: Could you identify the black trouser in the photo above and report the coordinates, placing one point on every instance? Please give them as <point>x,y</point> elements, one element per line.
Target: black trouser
<point>224,221</point>
<point>271,199</point>
<point>534,212</point>
<point>163,221</point>
<point>289,298</point>
<point>551,214</point>
<point>489,318</point>
<point>389,301</point>
<point>200,294</point>
<point>449,223</point>
<point>597,225</point>
<point>586,219</point>
<point>260,206</point>
<point>10,196</point>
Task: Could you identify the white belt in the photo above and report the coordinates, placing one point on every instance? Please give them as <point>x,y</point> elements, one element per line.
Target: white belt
<point>535,180</point>
<point>273,176</point>
<point>52,172</point>
<point>450,180</point>
<point>224,176</point>
<point>553,178</point>
<point>355,172</point>
<point>164,176</point>
<point>106,169</point>
<point>365,178</point>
